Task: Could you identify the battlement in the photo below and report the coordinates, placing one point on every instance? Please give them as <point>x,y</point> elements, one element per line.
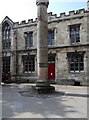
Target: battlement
<point>23,22</point>
<point>50,14</point>
<point>62,14</point>
<point>71,13</point>
<point>53,17</point>
<point>80,11</point>
<point>30,20</point>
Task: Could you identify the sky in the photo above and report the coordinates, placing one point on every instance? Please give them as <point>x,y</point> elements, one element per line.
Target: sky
<point>19,10</point>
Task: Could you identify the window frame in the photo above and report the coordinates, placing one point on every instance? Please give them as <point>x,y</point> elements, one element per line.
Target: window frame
<point>29,39</point>
<point>6,37</point>
<point>75,33</point>
<point>29,62</point>
<point>76,63</point>
<point>51,37</point>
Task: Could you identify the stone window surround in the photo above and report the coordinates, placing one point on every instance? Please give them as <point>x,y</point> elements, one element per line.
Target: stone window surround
<point>6,37</point>
<point>76,58</point>
<point>28,39</point>
<point>28,63</point>
<point>51,37</point>
<point>75,34</point>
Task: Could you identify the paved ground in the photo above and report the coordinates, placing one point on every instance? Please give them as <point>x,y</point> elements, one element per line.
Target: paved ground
<point>0,102</point>
<point>72,104</point>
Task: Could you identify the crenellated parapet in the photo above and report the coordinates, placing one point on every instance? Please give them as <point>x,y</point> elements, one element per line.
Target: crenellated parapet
<point>30,21</point>
<point>51,14</point>
<point>62,14</point>
<point>80,11</point>
<point>71,15</point>
<point>53,17</point>
<point>24,23</point>
<point>72,12</point>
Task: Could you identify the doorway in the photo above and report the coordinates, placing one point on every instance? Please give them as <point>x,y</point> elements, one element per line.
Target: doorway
<point>6,69</point>
<point>51,67</point>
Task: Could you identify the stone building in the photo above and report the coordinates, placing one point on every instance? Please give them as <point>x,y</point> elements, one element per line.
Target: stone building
<point>68,48</point>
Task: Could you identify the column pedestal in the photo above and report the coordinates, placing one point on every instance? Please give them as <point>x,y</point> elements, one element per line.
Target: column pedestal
<point>44,87</point>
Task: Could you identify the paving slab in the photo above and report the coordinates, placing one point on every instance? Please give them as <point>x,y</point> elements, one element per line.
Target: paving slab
<point>0,102</point>
<point>72,104</point>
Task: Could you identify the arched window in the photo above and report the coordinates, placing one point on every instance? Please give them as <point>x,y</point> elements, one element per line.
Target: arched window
<point>6,37</point>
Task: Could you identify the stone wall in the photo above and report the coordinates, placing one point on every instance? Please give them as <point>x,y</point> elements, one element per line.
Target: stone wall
<point>61,47</point>
<point>63,72</point>
<point>0,54</point>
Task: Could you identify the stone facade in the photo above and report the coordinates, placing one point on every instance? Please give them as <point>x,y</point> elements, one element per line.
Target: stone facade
<point>61,49</point>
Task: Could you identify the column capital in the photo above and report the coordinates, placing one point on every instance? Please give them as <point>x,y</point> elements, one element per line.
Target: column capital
<point>43,2</point>
<point>87,4</point>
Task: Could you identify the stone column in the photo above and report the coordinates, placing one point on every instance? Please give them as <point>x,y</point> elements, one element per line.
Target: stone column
<point>88,47</point>
<point>42,42</point>
<point>12,64</point>
<point>42,45</point>
<point>0,53</point>
<point>88,5</point>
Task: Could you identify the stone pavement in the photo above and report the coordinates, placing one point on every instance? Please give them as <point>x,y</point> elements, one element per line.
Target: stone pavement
<point>72,104</point>
<point>0,102</point>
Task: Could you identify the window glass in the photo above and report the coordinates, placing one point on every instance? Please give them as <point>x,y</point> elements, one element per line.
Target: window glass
<point>30,39</point>
<point>75,33</point>
<point>76,63</point>
<point>50,37</point>
<point>6,37</point>
<point>29,64</point>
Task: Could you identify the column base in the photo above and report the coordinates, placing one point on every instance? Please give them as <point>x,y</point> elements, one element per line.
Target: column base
<point>43,86</point>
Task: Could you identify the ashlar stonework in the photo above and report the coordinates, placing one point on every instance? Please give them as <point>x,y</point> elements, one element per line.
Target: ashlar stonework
<point>68,48</point>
